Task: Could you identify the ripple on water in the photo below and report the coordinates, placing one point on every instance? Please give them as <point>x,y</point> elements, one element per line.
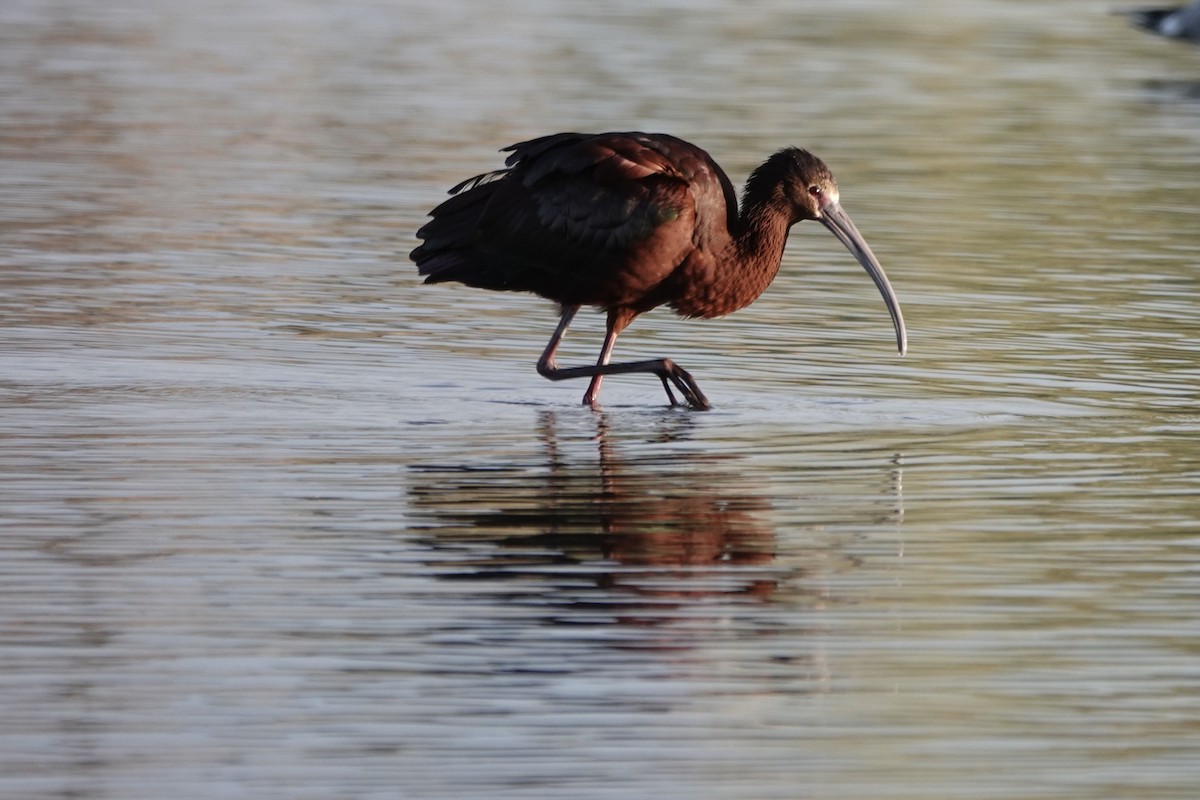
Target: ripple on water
<point>281,521</point>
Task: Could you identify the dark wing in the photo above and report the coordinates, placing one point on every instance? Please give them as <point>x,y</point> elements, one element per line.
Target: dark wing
<point>588,219</point>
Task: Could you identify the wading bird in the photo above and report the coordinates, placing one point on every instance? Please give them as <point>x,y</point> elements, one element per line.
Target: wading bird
<point>628,222</point>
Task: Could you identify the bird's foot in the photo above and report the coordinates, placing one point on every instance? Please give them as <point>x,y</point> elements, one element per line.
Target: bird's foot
<point>667,386</point>
<point>685,383</point>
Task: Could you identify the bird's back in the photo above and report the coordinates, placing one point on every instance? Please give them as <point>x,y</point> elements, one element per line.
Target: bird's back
<point>583,219</point>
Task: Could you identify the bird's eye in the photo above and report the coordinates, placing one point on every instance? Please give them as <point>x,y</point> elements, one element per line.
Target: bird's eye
<point>815,191</point>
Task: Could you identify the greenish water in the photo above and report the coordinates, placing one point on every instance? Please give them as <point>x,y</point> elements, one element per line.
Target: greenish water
<point>279,521</point>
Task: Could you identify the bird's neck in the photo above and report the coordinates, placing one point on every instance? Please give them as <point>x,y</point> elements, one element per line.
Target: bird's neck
<point>759,239</point>
<point>731,271</point>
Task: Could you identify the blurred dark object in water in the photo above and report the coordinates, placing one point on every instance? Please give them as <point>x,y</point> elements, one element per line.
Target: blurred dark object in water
<point>1173,92</point>
<point>1180,22</point>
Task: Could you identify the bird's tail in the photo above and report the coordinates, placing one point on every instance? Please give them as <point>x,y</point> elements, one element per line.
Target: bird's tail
<point>447,239</point>
<point>450,252</point>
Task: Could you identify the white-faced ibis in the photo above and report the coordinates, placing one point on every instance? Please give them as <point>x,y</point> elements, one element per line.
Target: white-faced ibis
<point>628,222</point>
<point>1179,22</point>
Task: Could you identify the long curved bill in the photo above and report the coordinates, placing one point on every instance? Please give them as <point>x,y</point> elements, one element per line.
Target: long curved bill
<point>840,225</point>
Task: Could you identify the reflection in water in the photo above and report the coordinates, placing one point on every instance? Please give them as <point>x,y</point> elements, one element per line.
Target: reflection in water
<point>668,524</point>
<point>637,517</point>
<point>1169,91</point>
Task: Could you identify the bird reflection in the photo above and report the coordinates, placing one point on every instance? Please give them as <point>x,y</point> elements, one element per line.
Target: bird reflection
<point>655,523</point>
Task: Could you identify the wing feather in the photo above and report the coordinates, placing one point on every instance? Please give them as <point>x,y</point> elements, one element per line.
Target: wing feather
<point>588,219</point>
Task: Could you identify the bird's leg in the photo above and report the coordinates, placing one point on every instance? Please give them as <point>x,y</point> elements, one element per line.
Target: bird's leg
<point>670,395</point>
<point>667,370</point>
<point>546,365</point>
<point>589,398</point>
<point>610,340</point>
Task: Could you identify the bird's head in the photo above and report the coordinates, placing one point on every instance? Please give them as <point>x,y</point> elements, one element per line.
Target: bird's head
<point>802,181</point>
<point>807,184</point>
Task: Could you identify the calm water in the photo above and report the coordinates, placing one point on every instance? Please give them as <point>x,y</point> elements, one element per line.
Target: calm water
<point>280,522</point>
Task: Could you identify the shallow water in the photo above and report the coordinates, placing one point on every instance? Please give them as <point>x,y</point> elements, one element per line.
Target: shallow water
<point>279,521</point>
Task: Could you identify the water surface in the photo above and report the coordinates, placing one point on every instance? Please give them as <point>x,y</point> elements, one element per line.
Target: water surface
<point>279,521</point>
